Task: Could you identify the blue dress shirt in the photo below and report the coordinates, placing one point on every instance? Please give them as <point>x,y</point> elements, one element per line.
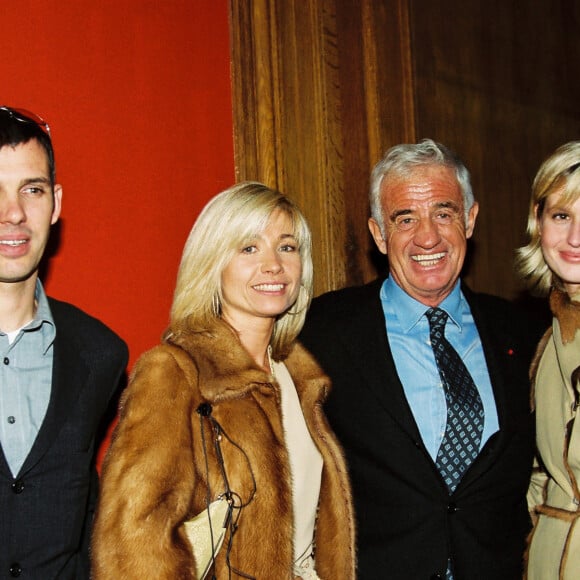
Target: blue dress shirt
<point>25,382</point>
<point>408,335</point>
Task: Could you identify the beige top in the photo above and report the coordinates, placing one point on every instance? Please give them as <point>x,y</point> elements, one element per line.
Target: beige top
<point>305,466</point>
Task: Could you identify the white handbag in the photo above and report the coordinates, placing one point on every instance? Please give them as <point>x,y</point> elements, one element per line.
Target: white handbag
<point>206,533</point>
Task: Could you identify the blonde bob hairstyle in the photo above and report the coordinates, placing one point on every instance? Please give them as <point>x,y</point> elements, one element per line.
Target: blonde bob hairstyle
<point>559,173</point>
<point>229,221</point>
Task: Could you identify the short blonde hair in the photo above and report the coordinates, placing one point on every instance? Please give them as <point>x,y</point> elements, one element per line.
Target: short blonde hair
<point>559,173</point>
<point>229,220</point>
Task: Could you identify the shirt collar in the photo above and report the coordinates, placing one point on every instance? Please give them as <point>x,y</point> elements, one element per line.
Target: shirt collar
<point>43,315</point>
<point>410,311</point>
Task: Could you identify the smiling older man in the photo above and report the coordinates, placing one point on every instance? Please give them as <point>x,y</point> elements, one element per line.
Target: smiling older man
<point>430,393</point>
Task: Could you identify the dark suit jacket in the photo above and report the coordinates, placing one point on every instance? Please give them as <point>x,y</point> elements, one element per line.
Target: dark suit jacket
<point>46,512</point>
<point>408,525</point>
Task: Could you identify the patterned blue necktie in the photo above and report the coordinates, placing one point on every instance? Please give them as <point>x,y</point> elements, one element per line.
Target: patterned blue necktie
<point>465,415</point>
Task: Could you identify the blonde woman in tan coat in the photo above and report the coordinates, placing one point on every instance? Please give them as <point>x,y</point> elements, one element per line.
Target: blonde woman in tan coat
<point>550,263</point>
<point>229,408</point>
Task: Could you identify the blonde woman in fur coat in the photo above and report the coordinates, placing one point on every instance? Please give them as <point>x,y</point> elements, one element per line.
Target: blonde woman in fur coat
<point>551,264</point>
<point>230,406</point>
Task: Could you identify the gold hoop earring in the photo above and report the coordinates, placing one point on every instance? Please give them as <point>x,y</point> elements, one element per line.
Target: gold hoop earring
<point>216,305</point>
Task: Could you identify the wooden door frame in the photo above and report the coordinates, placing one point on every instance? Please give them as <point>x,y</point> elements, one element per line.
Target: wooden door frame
<point>320,89</point>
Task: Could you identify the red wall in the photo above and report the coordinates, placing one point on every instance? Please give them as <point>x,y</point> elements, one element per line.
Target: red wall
<point>137,94</point>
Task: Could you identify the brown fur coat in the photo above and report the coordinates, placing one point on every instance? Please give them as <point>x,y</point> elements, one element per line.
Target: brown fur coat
<point>154,476</point>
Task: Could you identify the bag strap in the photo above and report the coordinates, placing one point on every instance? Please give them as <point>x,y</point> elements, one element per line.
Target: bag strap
<point>234,500</point>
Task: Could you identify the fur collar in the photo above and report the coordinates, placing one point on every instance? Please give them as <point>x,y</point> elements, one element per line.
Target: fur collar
<point>567,312</point>
<point>227,371</point>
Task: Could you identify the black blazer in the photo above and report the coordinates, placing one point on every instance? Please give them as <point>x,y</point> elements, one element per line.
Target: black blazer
<point>408,525</point>
<point>46,512</point>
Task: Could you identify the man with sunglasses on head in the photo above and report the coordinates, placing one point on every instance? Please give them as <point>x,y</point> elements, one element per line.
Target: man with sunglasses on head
<point>59,370</point>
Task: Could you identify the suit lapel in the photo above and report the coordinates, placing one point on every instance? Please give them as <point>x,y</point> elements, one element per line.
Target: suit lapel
<point>69,373</point>
<point>4,467</point>
<point>369,347</point>
<point>496,350</point>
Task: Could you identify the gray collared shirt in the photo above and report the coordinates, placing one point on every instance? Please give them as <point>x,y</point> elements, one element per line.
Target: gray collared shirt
<point>25,382</point>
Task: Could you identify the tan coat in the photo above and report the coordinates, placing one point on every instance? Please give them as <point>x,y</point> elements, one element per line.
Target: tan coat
<point>554,496</point>
<point>154,476</point>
